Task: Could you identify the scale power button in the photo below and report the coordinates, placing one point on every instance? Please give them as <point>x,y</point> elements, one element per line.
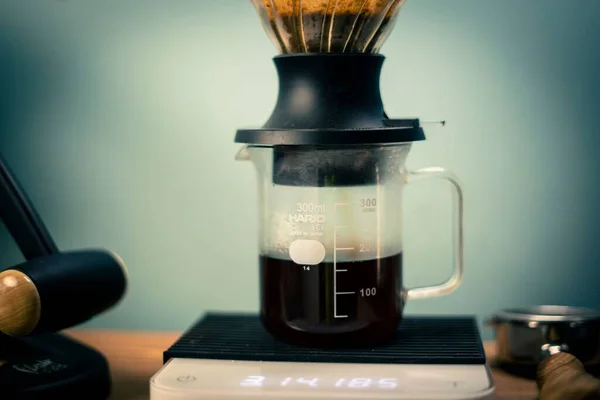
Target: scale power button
<point>186,378</point>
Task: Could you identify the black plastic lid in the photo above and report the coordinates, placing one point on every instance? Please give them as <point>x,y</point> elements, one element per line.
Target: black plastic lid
<point>330,99</point>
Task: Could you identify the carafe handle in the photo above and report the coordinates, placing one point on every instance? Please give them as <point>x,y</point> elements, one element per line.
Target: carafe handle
<point>454,281</point>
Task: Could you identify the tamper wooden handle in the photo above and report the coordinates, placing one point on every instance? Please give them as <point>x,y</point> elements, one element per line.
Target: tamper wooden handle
<point>20,305</point>
<point>56,292</point>
<point>562,376</point>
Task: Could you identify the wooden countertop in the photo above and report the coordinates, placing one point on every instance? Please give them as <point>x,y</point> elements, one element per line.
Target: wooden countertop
<point>135,356</point>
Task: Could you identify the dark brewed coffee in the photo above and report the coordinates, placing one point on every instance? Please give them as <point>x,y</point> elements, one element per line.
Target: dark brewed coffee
<point>354,304</point>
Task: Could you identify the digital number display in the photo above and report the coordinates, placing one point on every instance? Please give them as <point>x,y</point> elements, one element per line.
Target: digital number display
<point>314,382</point>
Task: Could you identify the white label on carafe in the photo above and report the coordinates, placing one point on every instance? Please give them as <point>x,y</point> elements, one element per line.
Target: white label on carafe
<point>307,252</point>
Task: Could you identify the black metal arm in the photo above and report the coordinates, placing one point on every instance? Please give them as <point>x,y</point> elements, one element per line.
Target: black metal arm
<point>21,219</point>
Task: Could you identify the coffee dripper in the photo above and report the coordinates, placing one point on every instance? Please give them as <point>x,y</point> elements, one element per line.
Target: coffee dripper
<point>331,175</point>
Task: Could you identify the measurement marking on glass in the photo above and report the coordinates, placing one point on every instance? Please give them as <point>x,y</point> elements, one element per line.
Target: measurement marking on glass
<point>335,250</point>
<point>378,215</point>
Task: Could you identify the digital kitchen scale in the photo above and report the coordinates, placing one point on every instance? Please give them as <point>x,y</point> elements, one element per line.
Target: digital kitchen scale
<point>230,356</point>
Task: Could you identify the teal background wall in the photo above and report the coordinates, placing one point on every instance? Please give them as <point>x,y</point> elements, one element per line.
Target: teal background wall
<point>118,118</point>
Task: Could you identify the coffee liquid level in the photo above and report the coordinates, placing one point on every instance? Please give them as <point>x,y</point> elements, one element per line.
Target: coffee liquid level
<point>301,306</point>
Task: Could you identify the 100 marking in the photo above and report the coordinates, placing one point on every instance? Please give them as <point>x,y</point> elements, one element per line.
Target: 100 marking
<point>368,292</point>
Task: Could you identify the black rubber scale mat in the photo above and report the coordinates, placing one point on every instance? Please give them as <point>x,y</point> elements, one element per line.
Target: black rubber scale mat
<point>419,340</point>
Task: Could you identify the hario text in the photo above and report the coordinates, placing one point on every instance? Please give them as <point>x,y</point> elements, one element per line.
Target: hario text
<point>312,218</point>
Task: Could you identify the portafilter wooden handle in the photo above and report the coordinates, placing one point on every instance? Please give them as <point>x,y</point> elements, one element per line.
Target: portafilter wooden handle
<point>56,292</point>
<point>562,376</point>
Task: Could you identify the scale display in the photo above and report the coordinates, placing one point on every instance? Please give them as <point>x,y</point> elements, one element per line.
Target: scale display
<point>316,382</point>
<point>222,379</point>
